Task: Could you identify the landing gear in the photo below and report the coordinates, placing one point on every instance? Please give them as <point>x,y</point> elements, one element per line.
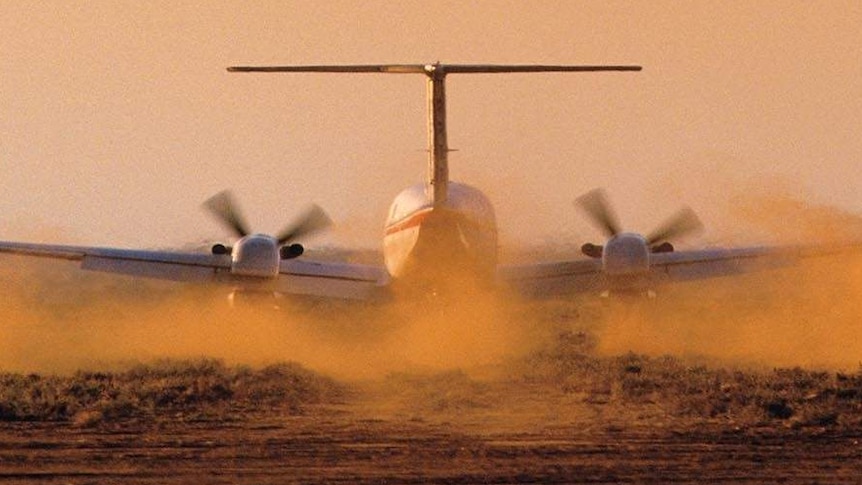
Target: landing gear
<point>255,299</point>
<point>649,294</point>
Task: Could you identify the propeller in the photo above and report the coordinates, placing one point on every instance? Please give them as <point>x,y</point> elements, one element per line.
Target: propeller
<point>683,222</point>
<point>225,209</point>
<point>595,204</point>
<point>313,219</point>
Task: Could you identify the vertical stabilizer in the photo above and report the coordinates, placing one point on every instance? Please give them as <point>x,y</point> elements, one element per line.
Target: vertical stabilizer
<point>438,145</point>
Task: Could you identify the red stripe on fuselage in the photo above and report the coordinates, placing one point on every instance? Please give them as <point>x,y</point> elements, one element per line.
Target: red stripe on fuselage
<point>411,220</point>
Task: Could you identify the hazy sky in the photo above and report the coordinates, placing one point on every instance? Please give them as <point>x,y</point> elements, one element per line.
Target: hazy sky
<point>117,119</point>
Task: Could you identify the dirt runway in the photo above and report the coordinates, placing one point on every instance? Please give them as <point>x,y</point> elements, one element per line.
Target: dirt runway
<point>556,395</point>
<point>529,436</point>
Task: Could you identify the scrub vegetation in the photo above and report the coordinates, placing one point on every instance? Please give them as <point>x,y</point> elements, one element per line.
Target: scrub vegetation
<point>682,393</point>
<point>176,389</point>
<point>686,391</point>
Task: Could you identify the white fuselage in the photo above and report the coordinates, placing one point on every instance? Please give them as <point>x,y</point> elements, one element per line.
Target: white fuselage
<point>423,241</point>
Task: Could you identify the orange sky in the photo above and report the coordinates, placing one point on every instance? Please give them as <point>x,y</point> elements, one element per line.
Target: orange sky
<point>118,118</point>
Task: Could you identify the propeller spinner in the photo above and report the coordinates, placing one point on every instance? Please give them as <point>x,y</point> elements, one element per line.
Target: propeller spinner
<point>595,204</point>
<point>225,209</point>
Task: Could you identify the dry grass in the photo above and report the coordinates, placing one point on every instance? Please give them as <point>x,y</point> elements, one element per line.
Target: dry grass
<point>184,389</point>
<point>794,397</point>
<point>208,389</point>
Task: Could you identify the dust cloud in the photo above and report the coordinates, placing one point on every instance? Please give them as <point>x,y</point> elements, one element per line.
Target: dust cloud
<point>56,318</point>
<point>808,314</point>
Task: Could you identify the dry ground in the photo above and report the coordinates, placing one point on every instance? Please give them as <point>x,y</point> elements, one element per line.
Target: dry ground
<point>576,398</point>
<point>559,416</point>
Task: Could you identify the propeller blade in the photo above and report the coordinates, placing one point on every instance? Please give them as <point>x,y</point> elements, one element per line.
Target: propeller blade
<point>595,204</point>
<point>222,206</point>
<point>683,222</point>
<point>312,220</point>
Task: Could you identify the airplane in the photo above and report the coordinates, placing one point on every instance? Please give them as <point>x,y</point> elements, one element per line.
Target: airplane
<point>435,232</point>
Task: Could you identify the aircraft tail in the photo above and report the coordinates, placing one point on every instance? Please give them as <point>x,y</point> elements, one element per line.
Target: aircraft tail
<point>438,148</point>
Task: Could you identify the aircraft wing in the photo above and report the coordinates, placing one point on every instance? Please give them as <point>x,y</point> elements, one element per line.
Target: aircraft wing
<point>711,263</point>
<point>167,265</point>
<point>715,263</point>
<point>326,279</point>
<point>331,279</point>
<point>583,275</point>
<point>542,280</point>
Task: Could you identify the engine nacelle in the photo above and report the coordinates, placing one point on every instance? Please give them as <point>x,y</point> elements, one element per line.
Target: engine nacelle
<point>664,247</point>
<point>256,255</point>
<point>592,250</point>
<point>220,249</point>
<point>626,254</point>
<point>291,251</point>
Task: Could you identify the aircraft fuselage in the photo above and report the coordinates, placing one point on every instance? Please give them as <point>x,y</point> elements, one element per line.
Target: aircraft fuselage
<point>424,241</point>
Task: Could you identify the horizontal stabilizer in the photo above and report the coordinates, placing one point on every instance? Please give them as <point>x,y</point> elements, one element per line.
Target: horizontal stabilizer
<point>434,68</point>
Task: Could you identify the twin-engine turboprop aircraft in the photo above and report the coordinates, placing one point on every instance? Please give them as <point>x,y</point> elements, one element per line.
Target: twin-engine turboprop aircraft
<point>435,232</point>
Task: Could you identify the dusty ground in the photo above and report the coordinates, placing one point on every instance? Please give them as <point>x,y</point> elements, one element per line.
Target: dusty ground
<point>646,398</point>
<point>550,422</point>
<point>535,438</point>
